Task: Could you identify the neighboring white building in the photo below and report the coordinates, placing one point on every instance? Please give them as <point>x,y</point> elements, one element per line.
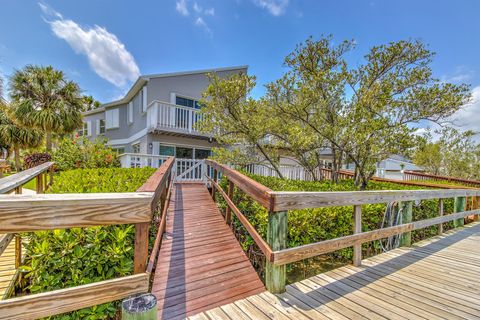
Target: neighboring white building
<point>392,167</point>
<point>156,118</point>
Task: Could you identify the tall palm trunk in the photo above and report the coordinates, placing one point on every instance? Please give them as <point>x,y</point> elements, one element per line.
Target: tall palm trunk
<point>48,138</point>
<point>18,166</point>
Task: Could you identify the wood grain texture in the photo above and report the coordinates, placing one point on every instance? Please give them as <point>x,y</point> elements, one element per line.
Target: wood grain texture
<point>5,241</point>
<point>65,300</point>
<point>292,200</point>
<point>13,181</point>
<point>20,213</point>
<point>200,264</point>
<point>357,228</point>
<point>425,281</point>
<point>252,188</point>
<point>158,181</point>
<point>141,247</point>
<point>310,250</point>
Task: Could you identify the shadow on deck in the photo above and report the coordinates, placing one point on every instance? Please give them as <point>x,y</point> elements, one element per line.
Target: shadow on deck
<point>438,278</point>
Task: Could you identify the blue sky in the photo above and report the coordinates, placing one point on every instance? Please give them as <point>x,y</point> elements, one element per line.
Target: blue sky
<point>105,44</point>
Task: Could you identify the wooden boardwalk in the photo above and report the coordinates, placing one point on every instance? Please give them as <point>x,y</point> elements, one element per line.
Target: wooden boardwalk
<point>7,269</point>
<point>438,278</point>
<point>200,264</point>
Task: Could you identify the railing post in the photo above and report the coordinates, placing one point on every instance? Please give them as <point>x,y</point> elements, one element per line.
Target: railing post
<point>141,247</point>
<point>440,213</point>
<point>18,190</point>
<point>407,208</point>
<point>18,251</point>
<point>228,212</point>
<point>476,203</point>
<point>39,183</point>
<point>51,172</point>
<point>357,228</point>
<point>459,206</point>
<point>215,178</point>
<point>275,276</point>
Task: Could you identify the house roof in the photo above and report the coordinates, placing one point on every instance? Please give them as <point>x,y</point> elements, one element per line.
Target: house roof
<point>143,79</point>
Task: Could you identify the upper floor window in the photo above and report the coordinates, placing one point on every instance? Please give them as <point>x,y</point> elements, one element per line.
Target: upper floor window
<point>136,148</point>
<point>191,103</point>
<point>84,130</point>
<point>111,118</point>
<point>130,112</point>
<point>143,99</point>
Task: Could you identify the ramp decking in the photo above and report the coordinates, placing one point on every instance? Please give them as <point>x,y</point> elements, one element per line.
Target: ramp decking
<point>200,264</point>
<point>438,278</point>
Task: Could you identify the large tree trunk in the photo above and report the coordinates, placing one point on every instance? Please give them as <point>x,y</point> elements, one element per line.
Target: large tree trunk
<point>18,166</point>
<point>48,138</point>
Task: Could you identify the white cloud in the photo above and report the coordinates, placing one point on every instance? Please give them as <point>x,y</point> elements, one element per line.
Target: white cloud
<point>462,74</point>
<point>200,11</point>
<point>199,22</point>
<point>468,118</point>
<point>275,7</point>
<point>209,12</point>
<point>106,54</point>
<point>181,7</point>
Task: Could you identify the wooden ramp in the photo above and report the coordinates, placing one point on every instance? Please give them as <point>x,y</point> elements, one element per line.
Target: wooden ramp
<point>8,272</point>
<point>438,278</point>
<point>200,264</point>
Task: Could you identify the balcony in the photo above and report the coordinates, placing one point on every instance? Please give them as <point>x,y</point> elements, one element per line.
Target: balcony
<point>170,118</point>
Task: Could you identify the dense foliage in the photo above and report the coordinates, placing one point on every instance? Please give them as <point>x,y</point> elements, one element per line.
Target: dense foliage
<point>314,225</point>
<point>34,159</point>
<point>65,258</point>
<point>452,153</point>
<point>83,153</point>
<point>361,113</point>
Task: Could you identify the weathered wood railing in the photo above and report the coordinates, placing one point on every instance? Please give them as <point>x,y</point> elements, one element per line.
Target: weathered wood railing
<point>278,203</point>
<point>26,213</point>
<point>420,176</point>
<point>43,174</point>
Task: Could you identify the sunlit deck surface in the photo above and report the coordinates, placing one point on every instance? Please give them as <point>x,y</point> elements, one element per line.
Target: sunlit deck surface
<point>7,269</point>
<point>438,278</point>
<point>200,264</point>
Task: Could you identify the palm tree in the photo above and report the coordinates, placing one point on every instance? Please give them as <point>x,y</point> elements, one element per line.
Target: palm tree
<point>44,99</point>
<point>15,135</point>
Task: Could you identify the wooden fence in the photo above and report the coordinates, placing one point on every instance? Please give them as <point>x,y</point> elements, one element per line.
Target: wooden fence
<point>26,213</point>
<point>278,203</point>
<point>420,176</point>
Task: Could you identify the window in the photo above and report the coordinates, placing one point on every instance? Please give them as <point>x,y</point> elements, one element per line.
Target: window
<point>111,118</point>
<point>100,126</point>
<point>186,102</point>
<point>130,112</point>
<point>184,153</point>
<point>166,151</point>
<point>202,153</point>
<point>136,148</point>
<point>143,99</point>
<point>84,130</point>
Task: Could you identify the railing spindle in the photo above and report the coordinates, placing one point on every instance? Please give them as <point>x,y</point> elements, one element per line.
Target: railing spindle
<point>228,211</point>
<point>440,213</point>
<point>357,228</point>
<point>459,206</point>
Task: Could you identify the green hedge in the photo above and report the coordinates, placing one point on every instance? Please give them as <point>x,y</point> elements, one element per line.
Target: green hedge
<point>71,257</point>
<point>314,225</point>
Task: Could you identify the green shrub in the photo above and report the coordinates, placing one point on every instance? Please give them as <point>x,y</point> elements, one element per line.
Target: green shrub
<point>71,257</point>
<point>82,153</point>
<point>318,224</point>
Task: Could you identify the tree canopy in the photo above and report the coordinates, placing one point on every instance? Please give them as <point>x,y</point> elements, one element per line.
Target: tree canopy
<point>44,99</point>
<point>362,113</point>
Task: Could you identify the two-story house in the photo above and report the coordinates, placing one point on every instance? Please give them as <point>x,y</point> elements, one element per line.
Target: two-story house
<point>156,118</point>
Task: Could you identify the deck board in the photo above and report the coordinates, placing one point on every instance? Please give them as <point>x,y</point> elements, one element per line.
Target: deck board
<point>438,278</point>
<point>201,265</point>
<point>8,273</point>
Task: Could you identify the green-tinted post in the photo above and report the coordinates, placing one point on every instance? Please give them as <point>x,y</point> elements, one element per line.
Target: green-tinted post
<point>459,206</point>
<point>407,209</point>
<point>276,276</point>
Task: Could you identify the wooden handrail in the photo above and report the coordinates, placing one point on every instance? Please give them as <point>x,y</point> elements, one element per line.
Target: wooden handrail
<point>8,184</point>
<point>252,188</point>
<point>23,213</point>
<point>262,244</point>
<point>314,249</point>
<point>161,228</point>
<point>295,200</point>
<point>156,183</point>
<point>64,300</point>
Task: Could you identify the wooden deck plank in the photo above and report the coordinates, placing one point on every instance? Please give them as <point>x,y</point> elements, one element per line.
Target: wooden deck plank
<point>435,279</point>
<point>201,265</point>
<point>8,273</point>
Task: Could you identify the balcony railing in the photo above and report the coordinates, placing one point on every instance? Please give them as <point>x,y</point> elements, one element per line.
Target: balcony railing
<point>170,117</point>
